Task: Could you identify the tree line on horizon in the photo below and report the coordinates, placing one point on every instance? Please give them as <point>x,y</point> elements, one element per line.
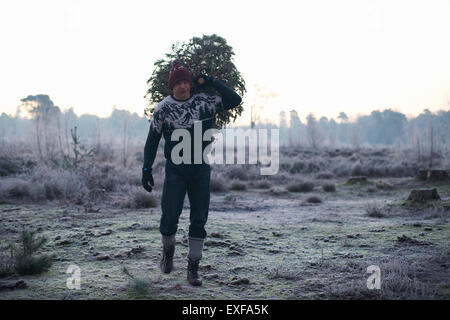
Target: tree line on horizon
<point>49,128</point>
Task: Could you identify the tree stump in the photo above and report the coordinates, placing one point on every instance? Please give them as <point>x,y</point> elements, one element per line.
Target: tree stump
<point>353,180</point>
<point>422,195</point>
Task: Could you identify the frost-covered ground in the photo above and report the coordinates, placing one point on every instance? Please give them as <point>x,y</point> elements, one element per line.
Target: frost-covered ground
<point>263,243</point>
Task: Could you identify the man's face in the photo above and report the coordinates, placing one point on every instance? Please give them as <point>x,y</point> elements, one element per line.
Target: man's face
<point>182,90</point>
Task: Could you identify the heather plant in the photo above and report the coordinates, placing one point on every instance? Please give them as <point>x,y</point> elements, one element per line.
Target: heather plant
<point>239,173</point>
<point>300,187</point>
<point>142,199</point>
<point>6,261</point>
<point>374,211</point>
<point>262,184</point>
<point>314,199</point>
<point>218,184</point>
<point>329,187</point>
<point>238,186</point>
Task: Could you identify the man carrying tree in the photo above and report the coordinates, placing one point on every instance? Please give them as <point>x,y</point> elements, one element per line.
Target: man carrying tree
<point>180,110</point>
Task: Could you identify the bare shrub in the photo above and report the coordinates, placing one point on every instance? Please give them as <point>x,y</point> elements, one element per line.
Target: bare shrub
<point>325,176</point>
<point>285,166</point>
<point>314,199</point>
<point>142,199</point>
<point>238,186</point>
<point>375,212</point>
<point>262,184</point>
<point>6,261</point>
<point>329,187</point>
<point>297,167</point>
<point>238,173</point>
<point>399,280</point>
<point>218,184</point>
<point>300,187</point>
<point>9,166</point>
<point>357,170</point>
<point>104,153</point>
<point>57,184</point>
<point>15,188</point>
<point>285,274</point>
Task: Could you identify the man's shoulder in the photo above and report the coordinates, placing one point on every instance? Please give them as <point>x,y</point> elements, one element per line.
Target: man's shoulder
<point>163,103</point>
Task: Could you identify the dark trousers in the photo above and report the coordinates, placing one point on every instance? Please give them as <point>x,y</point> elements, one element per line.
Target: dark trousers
<point>195,180</point>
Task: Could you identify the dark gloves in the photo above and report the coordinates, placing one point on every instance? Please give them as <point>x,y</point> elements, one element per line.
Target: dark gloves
<point>146,178</point>
<point>230,98</point>
<point>202,80</point>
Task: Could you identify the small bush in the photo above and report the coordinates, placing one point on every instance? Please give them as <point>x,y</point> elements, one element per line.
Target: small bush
<point>297,167</point>
<point>229,197</point>
<point>301,187</point>
<point>144,199</point>
<point>329,187</point>
<point>9,166</point>
<point>357,170</point>
<point>25,261</point>
<point>238,186</point>
<point>374,212</point>
<point>314,199</point>
<point>238,173</point>
<point>285,274</point>
<point>6,261</point>
<point>325,176</point>
<point>137,285</point>
<point>15,188</point>
<point>262,184</point>
<point>217,184</point>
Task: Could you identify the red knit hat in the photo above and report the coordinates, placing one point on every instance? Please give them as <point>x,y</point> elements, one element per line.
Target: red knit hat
<point>177,73</point>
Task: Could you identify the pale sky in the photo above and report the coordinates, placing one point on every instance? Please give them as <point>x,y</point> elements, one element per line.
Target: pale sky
<point>315,56</point>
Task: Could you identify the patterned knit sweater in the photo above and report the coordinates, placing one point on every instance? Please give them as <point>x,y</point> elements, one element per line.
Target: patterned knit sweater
<point>171,114</point>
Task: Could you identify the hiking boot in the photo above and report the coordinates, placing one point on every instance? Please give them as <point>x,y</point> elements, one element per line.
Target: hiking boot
<point>166,263</point>
<point>192,272</point>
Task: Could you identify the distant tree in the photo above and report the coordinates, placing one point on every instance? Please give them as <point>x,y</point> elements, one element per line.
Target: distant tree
<point>283,127</point>
<point>209,55</point>
<point>382,128</point>
<point>324,127</point>
<point>70,121</point>
<point>295,127</point>
<point>46,118</point>
<point>343,117</point>
<point>355,135</point>
<point>313,131</point>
